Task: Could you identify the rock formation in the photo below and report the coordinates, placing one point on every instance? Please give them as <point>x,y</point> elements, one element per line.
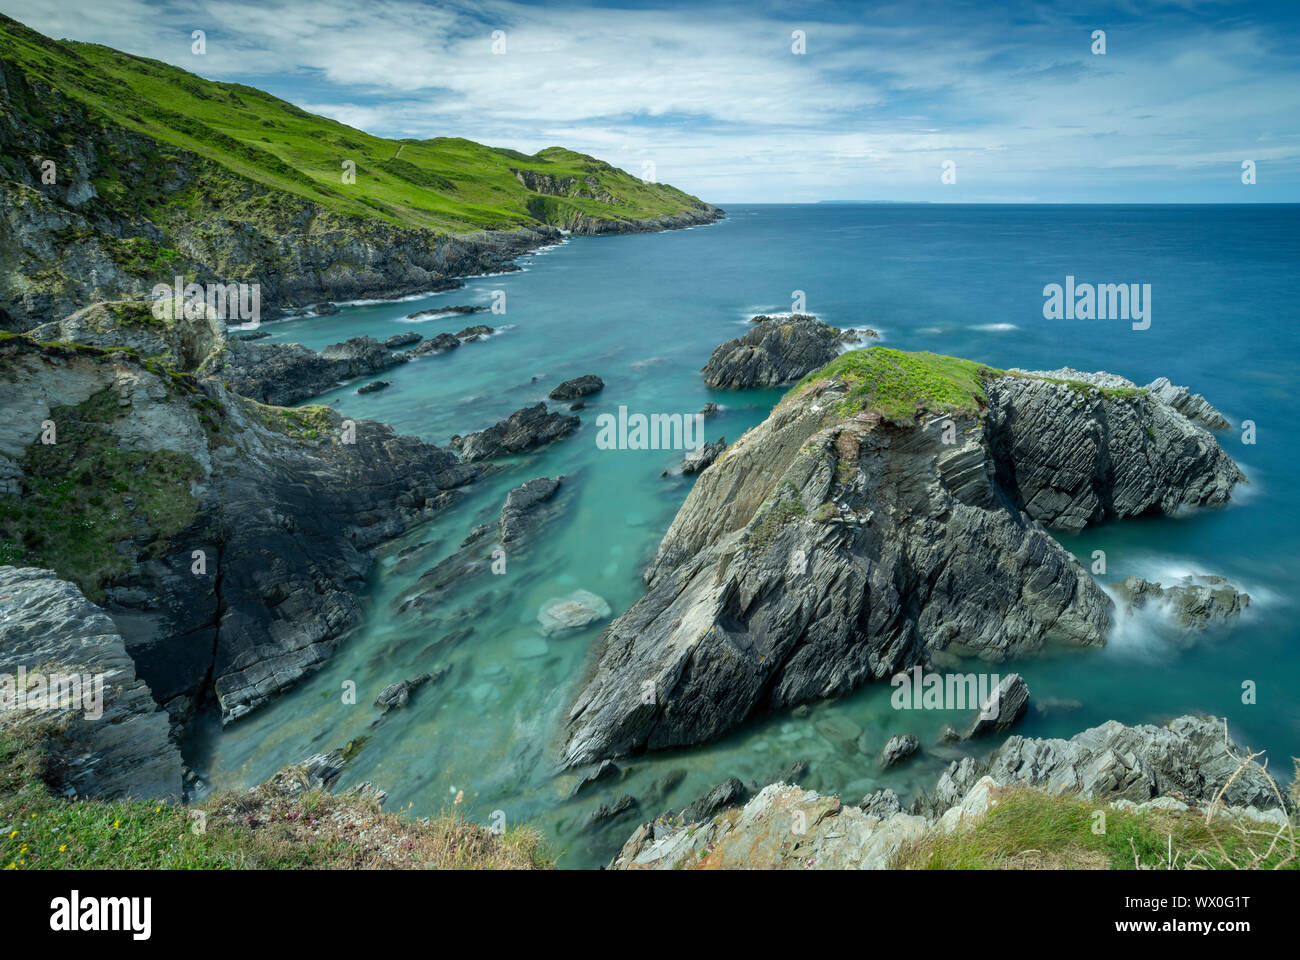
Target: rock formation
<point>886,513</point>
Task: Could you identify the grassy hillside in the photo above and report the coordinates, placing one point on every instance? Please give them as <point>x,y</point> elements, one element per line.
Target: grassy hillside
<point>446,184</point>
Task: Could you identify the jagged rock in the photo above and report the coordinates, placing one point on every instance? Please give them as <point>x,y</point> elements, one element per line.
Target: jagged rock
<point>726,794</point>
<point>775,350</point>
<point>610,811</point>
<point>437,311</point>
<point>703,457</point>
<point>795,772</point>
<point>325,309</point>
<point>898,749</point>
<point>1002,710</point>
<point>322,769</point>
<point>285,373</point>
<point>1191,405</point>
<point>882,804</point>
<point>577,387</point>
<point>115,742</point>
<point>523,430</point>
<point>374,386</point>
<point>439,344</point>
<point>606,768</point>
<point>1073,459</point>
<point>709,410</point>
<point>1195,601</point>
<point>572,612</point>
<point>399,694</point>
<point>1181,765</point>
<point>827,550</point>
<point>1189,758</point>
<point>519,513</point>
<point>248,335</point>
<point>474,333</point>
<point>280,582</point>
<point>402,340</point>
<point>186,341</point>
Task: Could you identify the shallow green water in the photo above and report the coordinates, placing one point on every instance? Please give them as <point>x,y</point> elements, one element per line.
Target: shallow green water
<point>644,312</point>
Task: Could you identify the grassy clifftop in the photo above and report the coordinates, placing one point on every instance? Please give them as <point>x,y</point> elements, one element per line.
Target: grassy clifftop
<point>447,183</point>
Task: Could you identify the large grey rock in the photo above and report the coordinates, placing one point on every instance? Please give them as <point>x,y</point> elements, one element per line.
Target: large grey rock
<point>521,511</point>
<point>1004,708</point>
<point>1191,757</point>
<point>826,551</point>
<point>523,430</point>
<point>582,386</point>
<point>1194,601</point>
<point>703,457</point>
<point>286,373</point>
<point>1191,405</point>
<point>48,627</point>
<point>898,749</point>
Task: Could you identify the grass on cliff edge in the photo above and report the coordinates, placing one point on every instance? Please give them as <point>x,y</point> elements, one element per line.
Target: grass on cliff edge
<point>252,830</point>
<point>1031,830</point>
<point>902,385</point>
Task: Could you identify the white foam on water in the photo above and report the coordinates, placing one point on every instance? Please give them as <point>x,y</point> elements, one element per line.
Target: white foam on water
<point>995,327</point>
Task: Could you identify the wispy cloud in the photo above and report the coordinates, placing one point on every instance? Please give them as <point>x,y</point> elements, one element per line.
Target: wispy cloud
<point>714,94</point>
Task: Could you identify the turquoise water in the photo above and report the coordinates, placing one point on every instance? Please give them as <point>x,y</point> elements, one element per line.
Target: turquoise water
<point>644,312</point>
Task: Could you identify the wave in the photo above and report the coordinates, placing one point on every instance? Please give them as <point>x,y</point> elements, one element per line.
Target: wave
<point>995,327</point>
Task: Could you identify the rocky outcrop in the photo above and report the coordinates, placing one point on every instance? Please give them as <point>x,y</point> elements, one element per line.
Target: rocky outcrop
<point>834,546</point>
<point>182,343</point>
<point>243,570</point>
<point>1191,759</point>
<point>1193,406</point>
<point>1004,708</point>
<point>582,386</point>
<point>399,694</point>
<point>439,344</point>
<point>398,340</point>
<point>1179,767</point>
<point>1076,449</point>
<point>897,749</point>
<point>283,374</point>
<point>113,742</point>
<point>523,430</point>
<point>775,350</point>
<point>1195,601</point>
<point>521,512</point>
<point>703,457</point>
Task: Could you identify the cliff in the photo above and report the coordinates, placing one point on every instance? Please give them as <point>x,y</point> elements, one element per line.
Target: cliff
<point>890,511</point>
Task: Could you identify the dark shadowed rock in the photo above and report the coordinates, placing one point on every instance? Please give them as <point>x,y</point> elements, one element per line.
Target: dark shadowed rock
<point>726,794</point>
<point>439,311</point>
<point>402,340</point>
<point>611,811</point>
<point>606,768</point>
<point>439,344</point>
<point>775,350</point>
<point>700,458</point>
<point>577,387</point>
<point>374,386</point>
<point>523,430</point>
<point>399,694</point>
<point>520,512</point>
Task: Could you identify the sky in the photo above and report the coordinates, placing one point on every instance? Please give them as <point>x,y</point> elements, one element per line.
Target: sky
<point>781,101</point>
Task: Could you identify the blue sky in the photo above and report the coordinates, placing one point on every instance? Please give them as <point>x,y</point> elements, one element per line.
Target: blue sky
<point>715,97</point>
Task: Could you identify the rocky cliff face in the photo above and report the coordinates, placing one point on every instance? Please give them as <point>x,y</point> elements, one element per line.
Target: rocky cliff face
<point>1178,767</point>
<point>227,538</point>
<point>832,545</point>
<point>774,351</point>
<point>47,626</point>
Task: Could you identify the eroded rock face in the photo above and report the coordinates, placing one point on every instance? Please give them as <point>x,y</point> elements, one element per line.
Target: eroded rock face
<point>1191,405</point>
<point>826,551</point>
<point>285,513</point>
<point>523,430</point>
<point>1140,767</point>
<point>286,373</point>
<point>48,626</point>
<point>702,458</point>
<point>1190,758</point>
<point>1195,602</point>
<point>1073,460</point>
<point>775,350</point>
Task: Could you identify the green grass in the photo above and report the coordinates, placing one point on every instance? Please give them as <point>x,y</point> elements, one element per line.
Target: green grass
<point>444,183</point>
<point>901,386</point>
<point>261,830</point>
<point>1028,828</point>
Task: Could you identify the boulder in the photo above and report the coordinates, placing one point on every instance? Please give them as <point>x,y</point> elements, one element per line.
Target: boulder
<point>523,430</point>
<point>1004,707</point>
<point>897,749</point>
<point>774,351</point>
<point>572,612</point>
<point>577,387</point>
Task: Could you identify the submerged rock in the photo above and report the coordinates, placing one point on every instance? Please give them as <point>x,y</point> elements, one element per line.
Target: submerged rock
<point>399,694</point>
<point>606,768</point>
<point>523,430</point>
<point>572,612</point>
<point>437,311</point>
<point>374,386</point>
<point>849,537</point>
<point>775,350</point>
<point>577,387</point>
<point>1195,602</point>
